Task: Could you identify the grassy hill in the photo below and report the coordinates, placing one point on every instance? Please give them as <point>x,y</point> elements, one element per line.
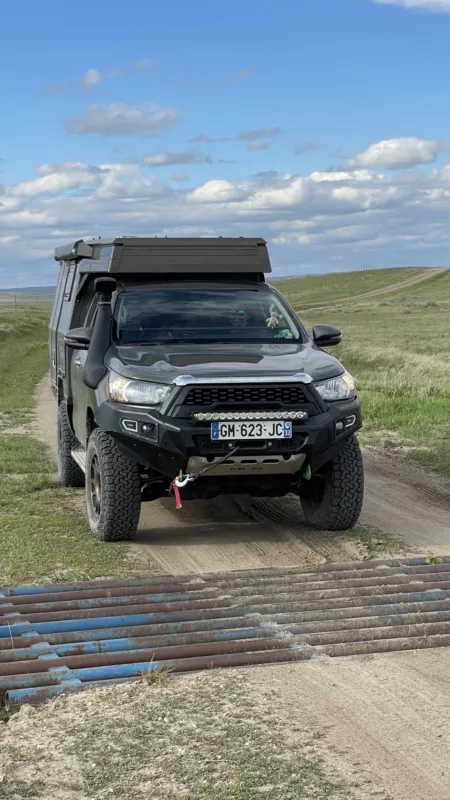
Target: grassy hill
<point>322,289</point>
<point>397,346</point>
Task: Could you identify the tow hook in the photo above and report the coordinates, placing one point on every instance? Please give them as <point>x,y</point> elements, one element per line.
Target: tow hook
<point>179,482</point>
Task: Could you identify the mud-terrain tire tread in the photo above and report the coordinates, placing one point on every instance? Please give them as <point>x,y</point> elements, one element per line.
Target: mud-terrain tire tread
<point>341,505</point>
<point>69,473</point>
<point>121,490</point>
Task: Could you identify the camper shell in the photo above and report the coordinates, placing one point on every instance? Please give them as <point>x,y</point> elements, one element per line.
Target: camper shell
<point>278,433</point>
<point>131,260</point>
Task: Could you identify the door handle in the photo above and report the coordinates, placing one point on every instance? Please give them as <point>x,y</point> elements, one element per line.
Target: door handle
<point>77,361</point>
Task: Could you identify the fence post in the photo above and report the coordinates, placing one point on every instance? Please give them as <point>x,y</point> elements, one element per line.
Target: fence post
<point>15,303</point>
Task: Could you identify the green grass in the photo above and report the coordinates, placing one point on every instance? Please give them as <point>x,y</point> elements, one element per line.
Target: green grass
<point>23,361</point>
<point>323,289</point>
<point>20,300</point>
<point>398,348</point>
<point>43,536</point>
<point>209,737</point>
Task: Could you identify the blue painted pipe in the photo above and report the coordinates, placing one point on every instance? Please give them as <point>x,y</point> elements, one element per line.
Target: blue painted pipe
<point>160,629</point>
<point>93,623</point>
<point>136,643</point>
<point>16,697</point>
<point>42,679</point>
<point>98,602</point>
<point>13,629</point>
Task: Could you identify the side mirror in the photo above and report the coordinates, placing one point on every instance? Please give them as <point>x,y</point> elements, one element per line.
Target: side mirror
<point>78,338</point>
<point>326,335</point>
<point>105,287</point>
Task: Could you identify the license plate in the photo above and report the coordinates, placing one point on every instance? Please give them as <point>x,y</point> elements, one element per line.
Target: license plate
<point>251,430</point>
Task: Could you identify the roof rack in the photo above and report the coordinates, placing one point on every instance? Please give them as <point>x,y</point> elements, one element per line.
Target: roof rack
<point>139,255</point>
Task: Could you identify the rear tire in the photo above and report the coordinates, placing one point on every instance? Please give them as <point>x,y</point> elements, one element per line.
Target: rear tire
<point>332,500</point>
<point>69,473</point>
<point>113,490</point>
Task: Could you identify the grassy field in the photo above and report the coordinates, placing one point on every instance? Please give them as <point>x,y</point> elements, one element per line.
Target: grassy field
<point>25,300</point>
<point>42,536</point>
<point>397,346</point>
<point>206,737</point>
<point>318,290</point>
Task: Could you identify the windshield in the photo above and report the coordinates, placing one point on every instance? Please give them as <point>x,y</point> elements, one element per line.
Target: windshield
<point>202,315</point>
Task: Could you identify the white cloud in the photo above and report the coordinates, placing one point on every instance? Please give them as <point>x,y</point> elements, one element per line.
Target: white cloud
<point>396,154</point>
<point>428,5</point>
<point>336,176</point>
<point>401,217</point>
<point>257,145</point>
<point>167,159</point>
<point>119,119</point>
<point>215,192</point>
<point>90,79</point>
<point>56,179</point>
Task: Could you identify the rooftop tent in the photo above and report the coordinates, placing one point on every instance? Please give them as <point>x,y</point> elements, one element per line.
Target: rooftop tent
<point>130,255</point>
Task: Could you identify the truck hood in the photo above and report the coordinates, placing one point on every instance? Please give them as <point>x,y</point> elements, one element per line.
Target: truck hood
<point>164,363</point>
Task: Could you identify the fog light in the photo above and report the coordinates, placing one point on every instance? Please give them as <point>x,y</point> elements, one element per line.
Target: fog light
<point>149,430</point>
<point>339,426</point>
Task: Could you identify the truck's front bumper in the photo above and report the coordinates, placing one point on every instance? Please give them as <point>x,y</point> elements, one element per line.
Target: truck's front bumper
<point>165,444</point>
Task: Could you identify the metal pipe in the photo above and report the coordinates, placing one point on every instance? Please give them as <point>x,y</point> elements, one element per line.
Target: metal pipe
<point>100,602</point>
<point>132,643</point>
<point>113,673</point>
<point>232,575</point>
<point>75,663</point>
<point>90,622</point>
<point>382,646</point>
<point>58,639</point>
<point>159,629</point>
<point>376,634</point>
<point>224,605</point>
<point>360,587</point>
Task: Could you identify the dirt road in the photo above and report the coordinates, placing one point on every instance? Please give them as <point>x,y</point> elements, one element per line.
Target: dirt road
<point>402,501</point>
<point>425,275</point>
<point>383,722</point>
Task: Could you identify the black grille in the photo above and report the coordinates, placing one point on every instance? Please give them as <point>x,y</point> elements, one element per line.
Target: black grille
<point>207,446</point>
<point>243,395</point>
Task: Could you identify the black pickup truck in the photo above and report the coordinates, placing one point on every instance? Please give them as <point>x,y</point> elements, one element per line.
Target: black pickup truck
<point>179,371</point>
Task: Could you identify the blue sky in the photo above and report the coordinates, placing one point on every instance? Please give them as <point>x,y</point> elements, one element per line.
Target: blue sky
<point>330,120</point>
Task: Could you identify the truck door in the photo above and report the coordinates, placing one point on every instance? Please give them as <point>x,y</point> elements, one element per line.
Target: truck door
<point>54,321</point>
<point>80,392</point>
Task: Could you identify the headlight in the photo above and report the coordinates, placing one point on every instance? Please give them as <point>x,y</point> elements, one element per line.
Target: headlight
<point>139,393</point>
<point>339,388</point>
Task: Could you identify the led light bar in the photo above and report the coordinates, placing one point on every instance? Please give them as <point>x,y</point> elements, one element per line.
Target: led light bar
<point>232,416</point>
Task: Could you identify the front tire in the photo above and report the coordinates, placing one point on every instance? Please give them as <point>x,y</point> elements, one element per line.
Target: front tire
<point>332,500</point>
<point>113,490</point>
<point>69,473</point>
